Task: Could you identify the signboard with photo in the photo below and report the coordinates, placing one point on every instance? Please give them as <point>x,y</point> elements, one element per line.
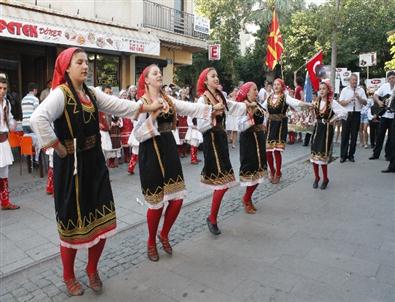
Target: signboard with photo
<point>59,34</point>
<point>201,24</point>
<point>367,59</point>
<point>373,84</point>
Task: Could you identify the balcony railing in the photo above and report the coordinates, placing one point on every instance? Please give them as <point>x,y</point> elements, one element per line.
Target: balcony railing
<point>169,19</point>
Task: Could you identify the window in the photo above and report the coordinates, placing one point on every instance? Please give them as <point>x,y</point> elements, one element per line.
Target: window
<point>104,70</point>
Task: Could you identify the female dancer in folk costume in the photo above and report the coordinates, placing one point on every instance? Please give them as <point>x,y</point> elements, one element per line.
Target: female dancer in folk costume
<point>326,111</point>
<point>276,105</point>
<point>132,141</point>
<point>126,129</point>
<point>160,168</point>
<point>232,122</point>
<point>49,187</point>
<point>252,145</point>
<point>217,172</point>
<point>7,123</point>
<point>84,203</point>
<point>193,137</point>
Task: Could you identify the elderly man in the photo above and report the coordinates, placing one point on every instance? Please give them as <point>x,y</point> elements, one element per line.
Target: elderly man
<point>352,98</point>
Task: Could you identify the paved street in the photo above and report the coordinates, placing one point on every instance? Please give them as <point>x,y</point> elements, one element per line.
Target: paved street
<point>302,245</point>
<point>30,235</point>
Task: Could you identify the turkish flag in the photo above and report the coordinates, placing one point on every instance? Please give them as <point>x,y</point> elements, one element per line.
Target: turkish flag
<point>312,67</point>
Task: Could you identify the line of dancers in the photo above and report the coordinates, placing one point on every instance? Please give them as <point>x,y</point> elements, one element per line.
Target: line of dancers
<point>84,204</point>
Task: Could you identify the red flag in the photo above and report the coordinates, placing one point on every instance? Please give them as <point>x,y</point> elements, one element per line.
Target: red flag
<point>311,67</point>
<point>274,43</point>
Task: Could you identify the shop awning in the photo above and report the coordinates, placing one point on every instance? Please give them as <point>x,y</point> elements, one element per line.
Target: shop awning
<point>25,24</point>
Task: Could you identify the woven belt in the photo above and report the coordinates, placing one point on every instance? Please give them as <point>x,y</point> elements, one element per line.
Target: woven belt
<point>165,127</point>
<point>276,117</point>
<point>255,128</point>
<point>218,127</point>
<point>90,143</point>
<point>3,136</point>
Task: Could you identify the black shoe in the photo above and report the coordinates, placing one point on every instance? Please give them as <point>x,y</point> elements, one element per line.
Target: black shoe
<point>373,157</point>
<point>324,185</point>
<point>315,184</point>
<point>213,228</point>
<point>351,159</point>
<point>342,160</point>
<point>387,171</point>
<point>387,158</point>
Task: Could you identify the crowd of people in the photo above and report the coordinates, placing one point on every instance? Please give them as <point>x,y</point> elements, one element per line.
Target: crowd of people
<point>87,130</point>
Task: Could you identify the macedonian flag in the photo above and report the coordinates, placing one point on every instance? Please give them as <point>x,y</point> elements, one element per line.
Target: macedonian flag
<point>274,43</point>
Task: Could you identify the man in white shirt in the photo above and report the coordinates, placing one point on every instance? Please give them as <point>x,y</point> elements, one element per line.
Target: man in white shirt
<point>386,119</point>
<point>265,91</point>
<point>29,103</point>
<point>46,91</point>
<point>352,98</point>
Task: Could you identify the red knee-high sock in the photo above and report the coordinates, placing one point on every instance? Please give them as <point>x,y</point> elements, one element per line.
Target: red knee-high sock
<point>171,214</point>
<point>325,172</point>
<point>68,257</point>
<point>248,194</point>
<point>215,204</point>
<point>153,218</point>
<point>316,172</point>
<point>269,159</point>
<point>277,156</point>
<point>94,254</point>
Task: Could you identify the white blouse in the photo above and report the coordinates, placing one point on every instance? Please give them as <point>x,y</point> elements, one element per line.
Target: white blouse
<point>53,107</point>
<point>235,109</point>
<point>294,103</point>
<point>11,121</point>
<point>147,128</point>
<point>247,121</point>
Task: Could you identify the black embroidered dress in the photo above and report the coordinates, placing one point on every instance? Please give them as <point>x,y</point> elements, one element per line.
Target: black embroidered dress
<point>252,148</point>
<point>84,204</point>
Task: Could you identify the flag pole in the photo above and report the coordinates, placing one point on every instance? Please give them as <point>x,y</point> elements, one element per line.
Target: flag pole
<point>282,71</point>
<point>304,64</point>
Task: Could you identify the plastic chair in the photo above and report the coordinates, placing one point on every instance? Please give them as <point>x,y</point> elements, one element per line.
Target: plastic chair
<point>14,138</point>
<point>27,150</point>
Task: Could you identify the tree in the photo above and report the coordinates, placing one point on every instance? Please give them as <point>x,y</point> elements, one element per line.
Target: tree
<point>390,65</point>
<point>226,21</point>
<point>361,29</point>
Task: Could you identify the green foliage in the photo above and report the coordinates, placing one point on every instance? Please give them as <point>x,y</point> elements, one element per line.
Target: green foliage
<point>390,65</point>
<point>362,27</point>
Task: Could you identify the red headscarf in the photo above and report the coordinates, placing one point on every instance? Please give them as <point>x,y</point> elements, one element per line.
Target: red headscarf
<point>243,91</point>
<point>330,89</point>
<point>201,86</point>
<point>62,63</point>
<point>141,82</point>
<point>282,84</point>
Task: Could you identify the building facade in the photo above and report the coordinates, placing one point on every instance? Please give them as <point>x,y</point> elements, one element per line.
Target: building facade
<point>121,38</point>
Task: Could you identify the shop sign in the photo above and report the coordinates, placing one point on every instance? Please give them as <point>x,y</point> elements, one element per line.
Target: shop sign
<point>40,32</point>
<point>214,52</point>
